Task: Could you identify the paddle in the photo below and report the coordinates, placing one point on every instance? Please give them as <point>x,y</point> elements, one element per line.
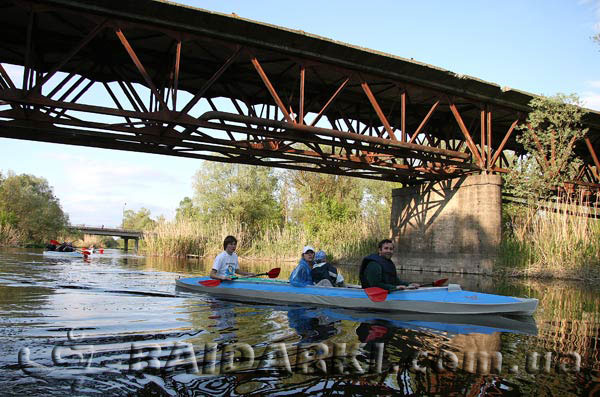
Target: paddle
<point>377,294</point>
<point>96,251</point>
<point>273,273</point>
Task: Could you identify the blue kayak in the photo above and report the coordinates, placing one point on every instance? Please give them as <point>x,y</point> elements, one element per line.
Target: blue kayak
<point>441,300</point>
<point>62,254</point>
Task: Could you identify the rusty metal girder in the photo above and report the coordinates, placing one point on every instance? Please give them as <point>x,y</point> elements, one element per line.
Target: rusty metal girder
<point>286,106</point>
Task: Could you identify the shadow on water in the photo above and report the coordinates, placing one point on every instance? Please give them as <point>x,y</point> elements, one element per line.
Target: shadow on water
<point>116,325</point>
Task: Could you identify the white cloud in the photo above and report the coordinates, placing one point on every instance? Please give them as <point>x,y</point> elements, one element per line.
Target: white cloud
<point>594,84</point>
<point>594,5</point>
<point>591,100</point>
<point>94,191</point>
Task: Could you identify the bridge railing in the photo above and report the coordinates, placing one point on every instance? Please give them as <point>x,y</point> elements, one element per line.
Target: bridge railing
<point>84,227</point>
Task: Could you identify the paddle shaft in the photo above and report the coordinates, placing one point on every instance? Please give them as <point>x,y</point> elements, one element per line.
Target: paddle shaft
<point>273,273</point>
<point>377,294</point>
<point>256,275</point>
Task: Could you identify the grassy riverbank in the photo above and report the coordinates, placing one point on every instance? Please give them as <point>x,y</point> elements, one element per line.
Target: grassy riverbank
<point>340,240</point>
<point>553,241</point>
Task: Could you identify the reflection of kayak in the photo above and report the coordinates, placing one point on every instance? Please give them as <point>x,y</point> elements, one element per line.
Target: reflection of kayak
<point>61,254</point>
<point>74,254</point>
<point>450,323</point>
<point>443,300</point>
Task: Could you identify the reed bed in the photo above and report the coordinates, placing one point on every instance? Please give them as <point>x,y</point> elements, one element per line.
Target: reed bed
<point>557,240</point>
<point>340,240</point>
<point>10,236</point>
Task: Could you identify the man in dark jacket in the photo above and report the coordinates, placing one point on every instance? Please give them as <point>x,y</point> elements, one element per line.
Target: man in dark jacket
<point>378,270</point>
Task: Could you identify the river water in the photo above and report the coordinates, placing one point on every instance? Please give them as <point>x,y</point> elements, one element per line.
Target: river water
<point>116,325</point>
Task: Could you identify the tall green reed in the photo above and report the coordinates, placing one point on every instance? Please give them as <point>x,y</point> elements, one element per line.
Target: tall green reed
<point>340,240</point>
<point>560,239</point>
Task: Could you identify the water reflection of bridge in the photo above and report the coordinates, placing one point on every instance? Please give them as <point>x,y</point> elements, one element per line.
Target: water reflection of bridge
<point>125,234</point>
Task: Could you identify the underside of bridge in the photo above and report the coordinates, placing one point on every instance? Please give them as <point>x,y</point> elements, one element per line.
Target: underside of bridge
<point>156,77</point>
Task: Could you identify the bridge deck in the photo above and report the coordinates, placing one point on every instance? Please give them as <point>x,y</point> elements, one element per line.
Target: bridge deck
<point>258,92</point>
<point>102,231</point>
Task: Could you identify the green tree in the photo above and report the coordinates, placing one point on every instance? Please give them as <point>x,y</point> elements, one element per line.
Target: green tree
<point>139,220</point>
<point>325,198</point>
<point>552,130</point>
<point>186,210</point>
<point>243,192</point>
<point>28,204</point>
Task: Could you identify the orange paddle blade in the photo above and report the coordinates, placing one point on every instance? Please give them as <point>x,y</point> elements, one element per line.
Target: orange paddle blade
<point>210,283</point>
<point>376,294</point>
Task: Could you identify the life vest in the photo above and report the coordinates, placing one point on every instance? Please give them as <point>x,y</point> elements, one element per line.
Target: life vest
<point>388,270</point>
<point>324,271</point>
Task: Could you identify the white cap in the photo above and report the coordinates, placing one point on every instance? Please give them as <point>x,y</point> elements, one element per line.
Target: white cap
<point>307,248</point>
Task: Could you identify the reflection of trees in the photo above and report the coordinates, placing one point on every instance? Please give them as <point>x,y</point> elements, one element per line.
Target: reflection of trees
<point>23,301</point>
<point>568,318</point>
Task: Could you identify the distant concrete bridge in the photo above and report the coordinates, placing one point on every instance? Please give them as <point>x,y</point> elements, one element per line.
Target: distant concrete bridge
<point>125,234</point>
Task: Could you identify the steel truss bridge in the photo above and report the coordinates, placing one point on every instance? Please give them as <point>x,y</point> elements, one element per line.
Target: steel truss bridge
<point>156,77</point>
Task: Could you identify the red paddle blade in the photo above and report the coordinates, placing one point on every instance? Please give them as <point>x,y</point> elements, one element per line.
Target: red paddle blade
<point>54,242</point>
<point>101,251</point>
<point>376,294</point>
<point>86,253</point>
<point>274,273</point>
<point>439,283</point>
<point>210,283</point>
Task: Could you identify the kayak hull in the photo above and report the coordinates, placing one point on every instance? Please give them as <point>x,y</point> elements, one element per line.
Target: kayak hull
<point>60,254</point>
<point>74,254</point>
<point>437,300</point>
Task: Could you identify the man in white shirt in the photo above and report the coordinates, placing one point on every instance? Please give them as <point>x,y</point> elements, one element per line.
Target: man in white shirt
<point>226,264</point>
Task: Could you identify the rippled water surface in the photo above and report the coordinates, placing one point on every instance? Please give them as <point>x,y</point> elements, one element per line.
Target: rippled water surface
<point>116,325</point>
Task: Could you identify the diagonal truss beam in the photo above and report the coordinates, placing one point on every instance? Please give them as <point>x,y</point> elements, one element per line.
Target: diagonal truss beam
<point>463,129</point>
<point>424,121</point>
<point>140,67</point>
<point>89,37</point>
<point>382,118</point>
<point>271,89</point>
<point>498,152</point>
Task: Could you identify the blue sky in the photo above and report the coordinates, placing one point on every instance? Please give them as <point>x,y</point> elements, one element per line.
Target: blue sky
<point>542,47</point>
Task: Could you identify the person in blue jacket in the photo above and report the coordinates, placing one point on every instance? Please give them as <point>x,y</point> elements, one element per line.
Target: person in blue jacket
<point>301,276</point>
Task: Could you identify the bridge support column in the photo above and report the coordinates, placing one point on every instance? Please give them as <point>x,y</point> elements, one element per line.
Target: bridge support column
<point>136,243</point>
<point>451,226</point>
<point>125,244</point>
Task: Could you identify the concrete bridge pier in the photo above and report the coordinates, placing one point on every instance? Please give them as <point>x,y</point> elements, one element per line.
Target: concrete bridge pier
<point>126,244</point>
<point>449,226</point>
